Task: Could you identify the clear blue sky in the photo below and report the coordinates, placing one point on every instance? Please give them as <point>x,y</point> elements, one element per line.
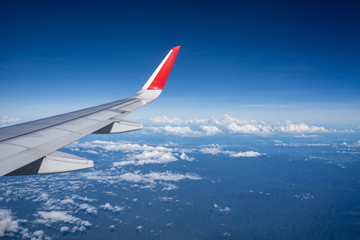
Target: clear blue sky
<point>263,60</point>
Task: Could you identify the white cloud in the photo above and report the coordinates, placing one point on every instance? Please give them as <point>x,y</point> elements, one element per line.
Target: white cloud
<point>306,136</point>
<point>67,201</point>
<point>5,120</point>
<point>157,176</point>
<point>215,149</point>
<point>290,127</point>
<point>147,157</point>
<point>7,223</point>
<point>167,120</point>
<point>212,149</point>
<point>92,151</point>
<point>38,235</point>
<point>86,199</point>
<point>356,144</point>
<point>138,154</point>
<point>10,226</point>
<point>166,199</point>
<point>302,144</point>
<point>225,209</point>
<point>177,126</point>
<point>42,197</point>
<point>210,130</point>
<point>183,156</point>
<point>177,130</point>
<point>118,146</point>
<point>88,208</point>
<point>176,121</point>
<point>59,216</point>
<point>64,229</point>
<point>246,154</point>
<point>108,207</point>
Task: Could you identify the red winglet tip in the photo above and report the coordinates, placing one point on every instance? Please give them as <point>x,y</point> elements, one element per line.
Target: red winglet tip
<point>160,79</point>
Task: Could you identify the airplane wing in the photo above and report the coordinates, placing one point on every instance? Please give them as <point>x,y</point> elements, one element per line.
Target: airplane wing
<point>31,148</point>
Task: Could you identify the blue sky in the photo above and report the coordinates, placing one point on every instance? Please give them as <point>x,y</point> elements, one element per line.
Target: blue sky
<point>295,60</point>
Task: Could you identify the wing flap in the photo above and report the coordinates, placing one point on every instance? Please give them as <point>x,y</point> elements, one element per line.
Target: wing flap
<point>56,162</point>
<point>119,127</point>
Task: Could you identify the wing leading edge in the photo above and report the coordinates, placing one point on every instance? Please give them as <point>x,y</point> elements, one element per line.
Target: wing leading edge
<point>31,148</point>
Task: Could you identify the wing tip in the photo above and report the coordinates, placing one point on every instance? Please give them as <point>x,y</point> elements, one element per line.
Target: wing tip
<point>159,80</point>
<point>177,48</point>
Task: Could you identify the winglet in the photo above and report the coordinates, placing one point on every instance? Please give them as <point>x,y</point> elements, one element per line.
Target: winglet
<point>158,78</point>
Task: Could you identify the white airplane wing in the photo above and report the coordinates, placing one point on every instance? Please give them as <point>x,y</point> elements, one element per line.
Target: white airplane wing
<point>30,148</point>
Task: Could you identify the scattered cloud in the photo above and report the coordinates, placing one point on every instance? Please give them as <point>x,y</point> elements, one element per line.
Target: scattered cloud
<point>176,121</point>
<point>48,218</point>
<point>289,127</point>
<point>108,207</point>
<point>230,125</point>
<point>64,229</point>
<point>157,176</point>
<point>136,154</point>
<point>212,149</point>
<point>183,156</point>
<point>246,154</point>
<point>210,130</point>
<point>167,120</point>
<point>6,120</point>
<point>184,131</point>
<point>215,149</point>
<point>225,209</point>
<point>8,225</point>
<point>303,144</point>
<point>117,146</point>
<point>147,157</point>
<point>355,144</point>
<point>88,208</point>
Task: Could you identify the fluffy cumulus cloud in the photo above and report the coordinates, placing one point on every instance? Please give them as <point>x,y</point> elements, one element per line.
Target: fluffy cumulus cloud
<point>148,157</point>
<point>10,227</point>
<point>167,120</point>
<point>225,209</point>
<point>355,144</point>
<point>110,208</point>
<point>88,208</point>
<point>246,154</point>
<point>212,149</point>
<point>117,146</point>
<point>210,130</point>
<point>50,217</point>
<point>136,154</point>
<point>176,130</point>
<point>215,149</point>
<point>176,121</point>
<point>184,156</point>
<point>140,180</point>
<point>212,126</point>
<point>157,176</point>
<point>8,224</point>
<point>290,127</point>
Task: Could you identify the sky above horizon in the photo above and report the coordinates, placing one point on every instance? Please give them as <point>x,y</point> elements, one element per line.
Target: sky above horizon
<point>258,60</point>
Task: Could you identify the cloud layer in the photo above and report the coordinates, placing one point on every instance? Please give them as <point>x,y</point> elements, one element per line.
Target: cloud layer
<point>230,125</point>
